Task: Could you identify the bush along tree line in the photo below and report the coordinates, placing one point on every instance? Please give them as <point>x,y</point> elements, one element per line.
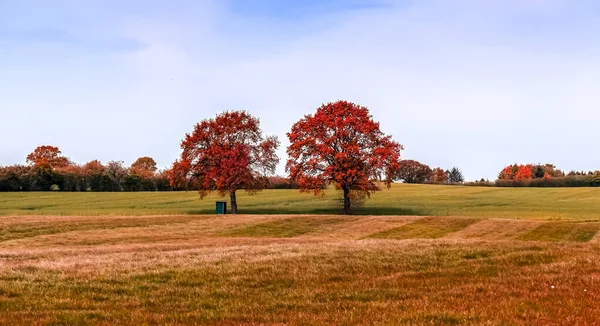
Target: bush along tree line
<point>545,175</point>
<point>412,171</point>
<point>48,170</point>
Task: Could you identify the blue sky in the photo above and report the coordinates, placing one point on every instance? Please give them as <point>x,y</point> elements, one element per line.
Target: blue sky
<point>474,84</point>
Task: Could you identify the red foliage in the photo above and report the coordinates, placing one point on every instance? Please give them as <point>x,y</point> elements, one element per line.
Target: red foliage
<point>342,144</point>
<point>538,171</point>
<point>48,154</point>
<point>508,173</point>
<point>277,182</point>
<point>552,171</point>
<point>524,172</point>
<point>439,176</point>
<point>226,153</point>
<point>71,169</point>
<point>144,167</point>
<point>94,167</point>
<point>412,171</point>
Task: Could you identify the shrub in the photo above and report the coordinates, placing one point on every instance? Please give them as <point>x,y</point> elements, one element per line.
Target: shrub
<point>568,181</point>
<point>480,183</point>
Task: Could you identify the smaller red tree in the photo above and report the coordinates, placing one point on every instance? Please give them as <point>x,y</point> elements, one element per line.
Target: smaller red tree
<point>524,172</point>
<point>341,144</point>
<point>94,167</point>
<point>92,173</point>
<point>412,171</point>
<point>50,155</point>
<point>226,153</point>
<point>144,167</point>
<point>439,176</point>
<point>508,173</point>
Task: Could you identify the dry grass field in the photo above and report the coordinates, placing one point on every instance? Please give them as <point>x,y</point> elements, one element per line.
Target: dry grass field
<point>297,269</point>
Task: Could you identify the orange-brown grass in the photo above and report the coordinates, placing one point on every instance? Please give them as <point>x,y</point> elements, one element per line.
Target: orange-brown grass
<point>243,270</point>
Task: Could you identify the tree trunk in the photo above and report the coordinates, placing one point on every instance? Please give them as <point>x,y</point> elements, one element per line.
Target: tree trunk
<point>346,200</point>
<point>233,202</point>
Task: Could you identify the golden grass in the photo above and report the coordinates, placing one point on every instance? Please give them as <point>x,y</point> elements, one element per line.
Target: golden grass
<point>204,270</point>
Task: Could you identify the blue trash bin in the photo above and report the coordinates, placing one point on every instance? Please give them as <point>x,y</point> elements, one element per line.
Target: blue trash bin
<point>221,207</point>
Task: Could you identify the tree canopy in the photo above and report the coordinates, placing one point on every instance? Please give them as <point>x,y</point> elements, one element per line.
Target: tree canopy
<point>226,153</point>
<point>341,144</point>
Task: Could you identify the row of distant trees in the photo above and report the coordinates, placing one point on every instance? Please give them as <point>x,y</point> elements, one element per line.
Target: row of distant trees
<point>412,171</point>
<point>47,169</point>
<point>545,175</point>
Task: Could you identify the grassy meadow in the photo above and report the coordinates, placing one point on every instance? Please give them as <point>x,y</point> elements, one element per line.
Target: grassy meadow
<point>277,269</point>
<point>420,255</point>
<point>402,199</point>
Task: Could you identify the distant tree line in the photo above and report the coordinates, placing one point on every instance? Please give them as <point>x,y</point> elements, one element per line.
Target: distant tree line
<point>48,170</point>
<point>545,175</point>
<point>412,171</point>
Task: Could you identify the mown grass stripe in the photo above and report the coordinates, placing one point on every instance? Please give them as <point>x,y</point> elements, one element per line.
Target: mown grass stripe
<point>557,231</point>
<point>286,228</point>
<point>426,228</point>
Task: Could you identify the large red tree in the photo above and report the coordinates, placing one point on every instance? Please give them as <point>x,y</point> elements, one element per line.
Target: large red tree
<point>226,153</point>
<point>341,144</point>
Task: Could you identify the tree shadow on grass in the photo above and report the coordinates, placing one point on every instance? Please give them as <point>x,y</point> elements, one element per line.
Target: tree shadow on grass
<point>321,211</point>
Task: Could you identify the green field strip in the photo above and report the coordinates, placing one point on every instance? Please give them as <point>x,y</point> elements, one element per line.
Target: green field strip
<point>426,228</point>
<point>287,228</point>
<point>560,231</point>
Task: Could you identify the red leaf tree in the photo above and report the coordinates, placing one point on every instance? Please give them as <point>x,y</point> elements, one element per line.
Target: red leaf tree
<point>225,154</point>
<point>94,167</point>
<point>144,167</point>
<point>508,173</point>
<point>49,155</point>
<point>341,144</point>
<point>439,176</point>
<point>524,172</point>
<point>412,171</point>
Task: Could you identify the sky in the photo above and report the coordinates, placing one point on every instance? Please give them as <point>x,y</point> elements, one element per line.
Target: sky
<point>477,84</point>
